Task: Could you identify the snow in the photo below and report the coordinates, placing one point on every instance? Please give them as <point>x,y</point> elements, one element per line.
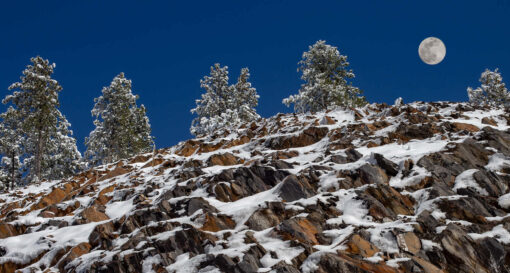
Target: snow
<point>119,208</point>
<point>466,180</point>
<point>497,161</point>
<point>242,209</point>
<point>504,201</point>
<point>499,232</point>
<point>23,248</point>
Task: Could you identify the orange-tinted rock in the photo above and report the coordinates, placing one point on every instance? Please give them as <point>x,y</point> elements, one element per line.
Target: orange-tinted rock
<point>217,222</point>
<point>359,246</point>
<point>92,214</point>
<point>154,162</point>
<point>75,252</point>
<point>7,230</point>
<point>426,266</point>
<point>309,136</point>
<point>298,229</point>
<point>226,159</point>
<point>489,121</point>
<point>120,170</point>
<point>459,126</point>
<point>409,242</point>
<point>56,196</point>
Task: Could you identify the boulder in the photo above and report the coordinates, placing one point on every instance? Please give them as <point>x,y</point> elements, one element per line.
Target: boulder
<point>307,137</point>
<point>387,165</point>
<point>226,159</point>
<point>94,214</point>
<point>299,229</point>
<point>359,246</point>
<point>292,188</point>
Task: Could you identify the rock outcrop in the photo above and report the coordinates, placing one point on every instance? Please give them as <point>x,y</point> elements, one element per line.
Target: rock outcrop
<point>422,187</point>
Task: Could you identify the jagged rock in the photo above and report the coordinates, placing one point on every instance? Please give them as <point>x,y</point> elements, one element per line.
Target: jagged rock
<point>217,222</point>
<point>409,242</point>
<point>262,219</point>
<point>300,229</point>
<point>292,188</point>
<point>489,121</point>
<point>103,235</point>
<point>246,181</point>
<point>370,174</point>
<point>300,200</point>
<point>391,199</point>
<point>359,246</point>
<point>461,255</point>
<point>7,230</point>
<point>285,268</point>
<point>331,263</point>
<point>463,156</point>
<point>496,139</point>
<point>307,137</point>
<point>427,221</point>
<point>351,155</point>
<point>197,203</point>
<point>226,159</point>
<point>94,214</point>
<point>459,126</point>
<point>387,165</point>
<point>74,253</point>
<point>465,208</point>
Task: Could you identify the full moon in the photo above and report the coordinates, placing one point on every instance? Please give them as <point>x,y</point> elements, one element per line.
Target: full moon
<point>432,50</point>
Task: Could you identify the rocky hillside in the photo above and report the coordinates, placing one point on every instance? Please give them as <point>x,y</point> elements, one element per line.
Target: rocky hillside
<point>419,188</point>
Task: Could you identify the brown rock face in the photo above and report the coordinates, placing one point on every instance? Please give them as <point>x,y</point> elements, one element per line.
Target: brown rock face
<point>459,126</point>
<point>393,209</point>
<point>307,137</point>
<point>54,197</point>
<point>75,252</point>
<point>359,246</point>
<point>93,214</point>
<point>226,159</point>
<point>7,230</point>
<point>489,121</point>
<point>300,229</point>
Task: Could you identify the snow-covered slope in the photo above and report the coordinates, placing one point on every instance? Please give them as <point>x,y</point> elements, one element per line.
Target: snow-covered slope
<point>417,188</point>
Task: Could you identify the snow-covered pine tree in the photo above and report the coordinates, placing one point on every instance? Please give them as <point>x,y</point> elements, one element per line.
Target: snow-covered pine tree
<point>11,139</point>
<point>492,90</point>
<point>122,128</point>
<point>224,105</point>
<point>325,73</point>
<point>49,151</point>
<point>215,101</point>
<point>245,97</point>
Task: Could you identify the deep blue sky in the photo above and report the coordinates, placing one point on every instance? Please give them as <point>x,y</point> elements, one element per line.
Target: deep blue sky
<point>167,47</point>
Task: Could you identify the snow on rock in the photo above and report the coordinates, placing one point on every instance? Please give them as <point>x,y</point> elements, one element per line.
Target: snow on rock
<point>379,188</point>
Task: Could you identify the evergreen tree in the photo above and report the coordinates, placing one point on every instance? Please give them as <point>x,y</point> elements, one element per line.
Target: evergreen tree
<point>492,90</point>
<point>49,151</point>
<point>224,105</point>
<point>122,128</point>
<point>325,74</point>
<point>11,139</point>
<point>245,97</point>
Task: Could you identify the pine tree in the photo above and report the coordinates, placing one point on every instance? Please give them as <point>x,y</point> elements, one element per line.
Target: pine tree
<point>245,97</point>
<point>492,91</point>
<point>49,151</point>
<point>223,105</point>
<point>11,139</point>
<point>122,128</point>
<point>325,74</point>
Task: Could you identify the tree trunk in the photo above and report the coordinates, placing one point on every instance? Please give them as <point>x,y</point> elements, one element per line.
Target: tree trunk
<point>13,171</point>
<point>38,156</point>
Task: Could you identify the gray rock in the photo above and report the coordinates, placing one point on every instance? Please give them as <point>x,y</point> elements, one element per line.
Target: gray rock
<point>387,165</point>
<point>293,189</point>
